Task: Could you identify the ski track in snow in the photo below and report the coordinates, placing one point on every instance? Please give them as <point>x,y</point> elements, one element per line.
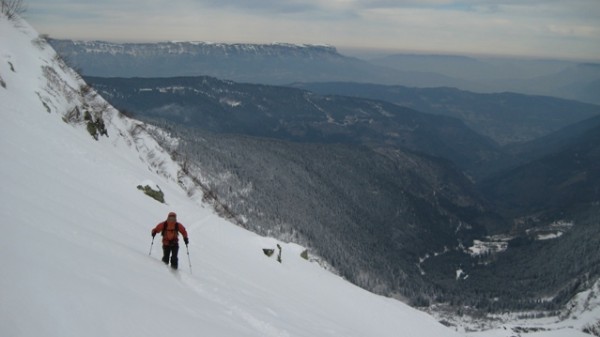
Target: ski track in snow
<point>263,327</point>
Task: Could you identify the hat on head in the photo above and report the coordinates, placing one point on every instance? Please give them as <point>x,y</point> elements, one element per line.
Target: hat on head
<point>172,214</point>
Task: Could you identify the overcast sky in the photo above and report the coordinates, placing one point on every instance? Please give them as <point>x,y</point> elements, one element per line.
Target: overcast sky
<point>541,28</point>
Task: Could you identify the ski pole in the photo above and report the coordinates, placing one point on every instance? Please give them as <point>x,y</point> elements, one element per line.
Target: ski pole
<point>188,254</point>
<point>152,244</point>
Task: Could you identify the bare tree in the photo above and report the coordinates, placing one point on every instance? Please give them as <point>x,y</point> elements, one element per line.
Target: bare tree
<point>12,8</point>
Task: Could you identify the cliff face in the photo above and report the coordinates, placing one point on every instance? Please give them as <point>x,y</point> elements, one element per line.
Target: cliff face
<point>193,48</point>
<point>275,63</point>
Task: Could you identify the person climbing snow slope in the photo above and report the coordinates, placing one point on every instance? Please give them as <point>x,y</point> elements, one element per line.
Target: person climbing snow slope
<point>170,230</point>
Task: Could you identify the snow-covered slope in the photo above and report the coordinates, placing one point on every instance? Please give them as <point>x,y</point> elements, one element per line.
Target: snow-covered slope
<point>76,233</point>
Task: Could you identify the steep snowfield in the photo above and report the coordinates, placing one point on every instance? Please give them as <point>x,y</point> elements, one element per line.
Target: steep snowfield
<point>74,248</point>
<point>76,235</point>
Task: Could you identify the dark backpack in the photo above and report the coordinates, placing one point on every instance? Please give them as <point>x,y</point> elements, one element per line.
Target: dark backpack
<point>164,231</point>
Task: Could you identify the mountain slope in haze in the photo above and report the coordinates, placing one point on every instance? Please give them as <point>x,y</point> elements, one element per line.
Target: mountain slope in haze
<point>579,82</point>
<point>559,78</point>
<point>506,118</point>
<point>297,115</point>
<point>551,143</point>
<point>77,231</point>
<point>558,182</point>
<point>472,67</point>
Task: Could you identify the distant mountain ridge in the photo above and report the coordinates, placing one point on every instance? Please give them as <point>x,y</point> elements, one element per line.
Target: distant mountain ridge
<point>270,63</point>
<point>283,63</point>
<point>278,63</point>
<point>195,48</point>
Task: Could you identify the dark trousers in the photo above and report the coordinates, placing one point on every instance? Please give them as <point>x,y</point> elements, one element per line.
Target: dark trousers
<point>171,250</point>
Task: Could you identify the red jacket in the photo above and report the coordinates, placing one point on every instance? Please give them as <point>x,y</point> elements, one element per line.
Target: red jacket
<point>169,235</point>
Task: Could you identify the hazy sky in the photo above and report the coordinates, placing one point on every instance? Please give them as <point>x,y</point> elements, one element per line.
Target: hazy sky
<point>546,28</point>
